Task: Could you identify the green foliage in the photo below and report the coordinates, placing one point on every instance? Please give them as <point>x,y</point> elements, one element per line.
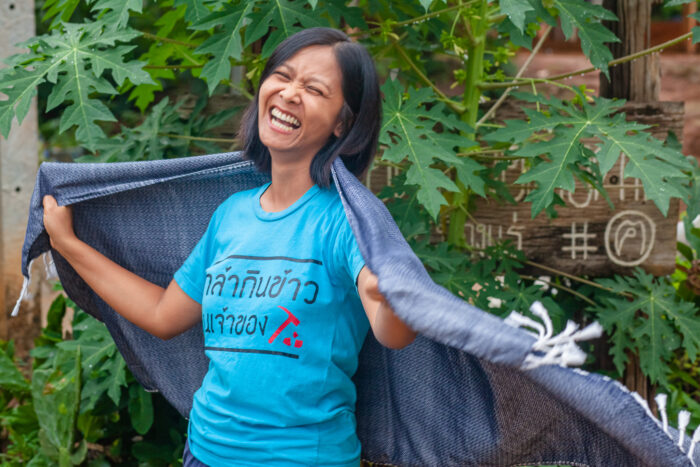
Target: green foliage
<point>586,17</point>
<point>408,131</point>
<point>649,319</point>
<point>73,60</point>
<point>81,392</point>
<point>225,44</point>
<point>555,139</point>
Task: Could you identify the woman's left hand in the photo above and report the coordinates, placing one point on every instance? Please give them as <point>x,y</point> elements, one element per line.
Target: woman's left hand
<point>389,330</point>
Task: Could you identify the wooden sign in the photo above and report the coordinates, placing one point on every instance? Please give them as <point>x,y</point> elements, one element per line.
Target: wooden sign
<point>587,237</point>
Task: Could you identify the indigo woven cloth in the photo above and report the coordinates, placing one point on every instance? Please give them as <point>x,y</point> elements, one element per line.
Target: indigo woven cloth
<point>472,390</point>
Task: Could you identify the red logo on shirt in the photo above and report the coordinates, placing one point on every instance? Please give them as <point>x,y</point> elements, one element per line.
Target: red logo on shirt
<point>290,319</point>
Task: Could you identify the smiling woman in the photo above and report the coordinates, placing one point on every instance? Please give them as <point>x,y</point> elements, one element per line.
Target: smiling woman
<point>339,71</point>
<point>277,279</point>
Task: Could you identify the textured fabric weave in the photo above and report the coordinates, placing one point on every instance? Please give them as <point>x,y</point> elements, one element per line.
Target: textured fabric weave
<point>456,396</point>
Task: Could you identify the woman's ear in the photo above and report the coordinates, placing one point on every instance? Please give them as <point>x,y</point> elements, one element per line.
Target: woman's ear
<point>338,131</point>
<point>344,121</point>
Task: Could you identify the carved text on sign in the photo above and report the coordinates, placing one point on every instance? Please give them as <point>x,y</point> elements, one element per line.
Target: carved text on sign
<point>623,227</point>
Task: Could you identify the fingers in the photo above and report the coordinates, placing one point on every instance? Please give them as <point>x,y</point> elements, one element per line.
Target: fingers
<point>49,202</point>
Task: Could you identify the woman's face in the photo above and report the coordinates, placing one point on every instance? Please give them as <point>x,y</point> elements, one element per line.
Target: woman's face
<point>299,104</point>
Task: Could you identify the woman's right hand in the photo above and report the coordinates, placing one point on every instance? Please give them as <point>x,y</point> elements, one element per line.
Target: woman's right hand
<point>58,222</point>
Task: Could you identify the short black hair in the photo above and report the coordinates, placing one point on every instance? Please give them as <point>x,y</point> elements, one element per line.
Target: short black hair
<point>361,113</point>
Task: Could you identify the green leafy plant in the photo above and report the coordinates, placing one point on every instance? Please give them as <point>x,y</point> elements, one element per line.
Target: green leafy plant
<point>82,402</point>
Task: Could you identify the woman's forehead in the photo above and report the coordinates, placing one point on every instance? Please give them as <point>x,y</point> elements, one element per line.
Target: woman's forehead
<point>315,63</point>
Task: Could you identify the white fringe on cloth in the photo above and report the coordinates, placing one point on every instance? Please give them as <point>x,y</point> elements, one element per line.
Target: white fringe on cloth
<point>549,349</point>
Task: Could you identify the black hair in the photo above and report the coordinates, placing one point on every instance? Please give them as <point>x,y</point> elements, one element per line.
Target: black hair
<point>361,114</point>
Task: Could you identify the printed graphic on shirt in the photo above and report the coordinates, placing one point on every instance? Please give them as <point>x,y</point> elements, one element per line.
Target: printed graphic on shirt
<point>259,302</point>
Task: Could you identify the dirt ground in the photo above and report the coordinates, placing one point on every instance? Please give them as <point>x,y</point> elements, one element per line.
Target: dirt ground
<point>680,81</point>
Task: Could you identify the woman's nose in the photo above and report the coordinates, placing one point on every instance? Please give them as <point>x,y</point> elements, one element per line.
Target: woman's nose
<point>289,93</point>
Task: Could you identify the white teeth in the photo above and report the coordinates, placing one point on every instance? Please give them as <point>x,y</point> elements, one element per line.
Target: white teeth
<point>279,125</point>
<point>282,116</point>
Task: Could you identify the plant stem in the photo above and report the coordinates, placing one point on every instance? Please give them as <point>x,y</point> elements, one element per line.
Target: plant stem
<point>497,158</point>
<point>575,278</point>
<point>434,13</point>
<point>199,138</point>
<point>153,37</point>
<point>562,287</point>
<point>450,103</point>
<point>244,92</point>
<point>171,67</point>
<point>478,27</point>
<point>617,61</point>
<point>386,163</point>
<point>522,69</point>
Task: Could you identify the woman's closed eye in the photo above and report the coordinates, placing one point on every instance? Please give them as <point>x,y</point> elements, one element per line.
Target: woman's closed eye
<point>314,90</point>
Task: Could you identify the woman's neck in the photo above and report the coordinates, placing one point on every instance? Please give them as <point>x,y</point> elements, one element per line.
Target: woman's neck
<point>289,183</point>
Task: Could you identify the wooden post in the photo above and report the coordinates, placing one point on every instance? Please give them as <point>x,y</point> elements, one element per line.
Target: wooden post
<point>638,80</point>
<point>689,24</point>
<point>18,165</point>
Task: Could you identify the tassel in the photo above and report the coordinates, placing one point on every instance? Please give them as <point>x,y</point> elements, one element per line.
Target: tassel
<point>515,319</point>
<point>22,296</point>
<point>558,350</point>
<point>693,442</point>
<point>661,400</point>
<point>683,420</point>
<point>49,266</point>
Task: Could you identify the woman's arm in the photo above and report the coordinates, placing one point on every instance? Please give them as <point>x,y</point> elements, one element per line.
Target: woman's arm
<point>165,313</point>
<point>389,330</point>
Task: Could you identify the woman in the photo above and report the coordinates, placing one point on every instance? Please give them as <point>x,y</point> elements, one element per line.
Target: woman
<point>278,389</point>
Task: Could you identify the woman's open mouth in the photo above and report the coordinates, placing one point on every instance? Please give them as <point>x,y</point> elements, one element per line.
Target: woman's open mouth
<point>283,121</point>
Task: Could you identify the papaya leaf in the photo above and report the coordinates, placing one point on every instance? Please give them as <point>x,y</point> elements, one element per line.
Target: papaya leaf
<point>285,18</point>
<point>197,10</point>
<point>338,11</point>
<point>56,398</point>
<point>553,138</point>
<point>652,323</point>
<point>516,11</point>
<point>52,8</point>
<point>11,378</point>
<point>649,161</point>
<point>74,62</point>
<point>586,18</point>
<point>225,43</point>
<point>103,368</point>
<point>140,409</point>
<point>408,133</point>
<point>117,11</point>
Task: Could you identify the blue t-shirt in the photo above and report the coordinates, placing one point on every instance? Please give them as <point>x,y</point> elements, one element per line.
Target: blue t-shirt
<point>283,325</point>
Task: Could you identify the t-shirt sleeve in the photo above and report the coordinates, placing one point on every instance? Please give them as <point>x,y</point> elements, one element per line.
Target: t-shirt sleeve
<point>346,255</point>
<point>191,275</point>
